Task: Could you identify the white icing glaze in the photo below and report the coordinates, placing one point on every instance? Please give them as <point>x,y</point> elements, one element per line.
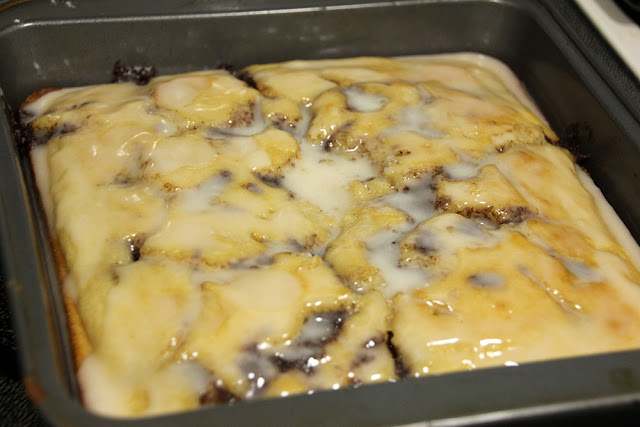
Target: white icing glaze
<point>172,156</point>
<point>500,69</point>
<point>256,126</point>
<point>202,198</point>
<point>416,200</point>
<point>302,126</point>
<point>166,127</point>
<point>180,92</point>
<point>383,253</point>
<point>185,377</point>
<point>42,105</point>
<point>245,147</point>
<point>450,232</point>
<point>582,271</point>
<point>362,101</point>
<point>616,226</point>
<point>272,291</point>
<point>323,178</point>
<point>461,171</point>
<point>415,119</point>
<point>315,329</point>
<point>110,398</point>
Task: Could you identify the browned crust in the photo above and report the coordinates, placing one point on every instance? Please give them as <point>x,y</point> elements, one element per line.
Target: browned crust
<point>79,339</point>
<point>80,343</point>
<point>37,95</point>
<point>33,389</point>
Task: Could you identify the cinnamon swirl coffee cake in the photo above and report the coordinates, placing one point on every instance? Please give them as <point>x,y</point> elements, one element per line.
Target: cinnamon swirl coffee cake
<point>320,224</point>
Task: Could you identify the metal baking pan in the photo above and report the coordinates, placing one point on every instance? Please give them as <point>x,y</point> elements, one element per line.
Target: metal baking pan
<point>584,90</point>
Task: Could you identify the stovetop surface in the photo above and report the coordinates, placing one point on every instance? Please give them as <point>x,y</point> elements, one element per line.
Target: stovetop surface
<point>631,8</point>
<point>619,22</point>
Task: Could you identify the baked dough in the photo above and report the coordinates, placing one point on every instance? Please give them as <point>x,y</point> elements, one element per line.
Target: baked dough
<point>333,223</point>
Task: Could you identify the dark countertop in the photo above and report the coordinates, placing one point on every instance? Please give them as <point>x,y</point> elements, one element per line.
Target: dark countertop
<point>15,407</point>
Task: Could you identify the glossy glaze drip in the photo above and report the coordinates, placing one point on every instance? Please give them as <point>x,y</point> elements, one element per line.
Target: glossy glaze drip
<point>323,178</point>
